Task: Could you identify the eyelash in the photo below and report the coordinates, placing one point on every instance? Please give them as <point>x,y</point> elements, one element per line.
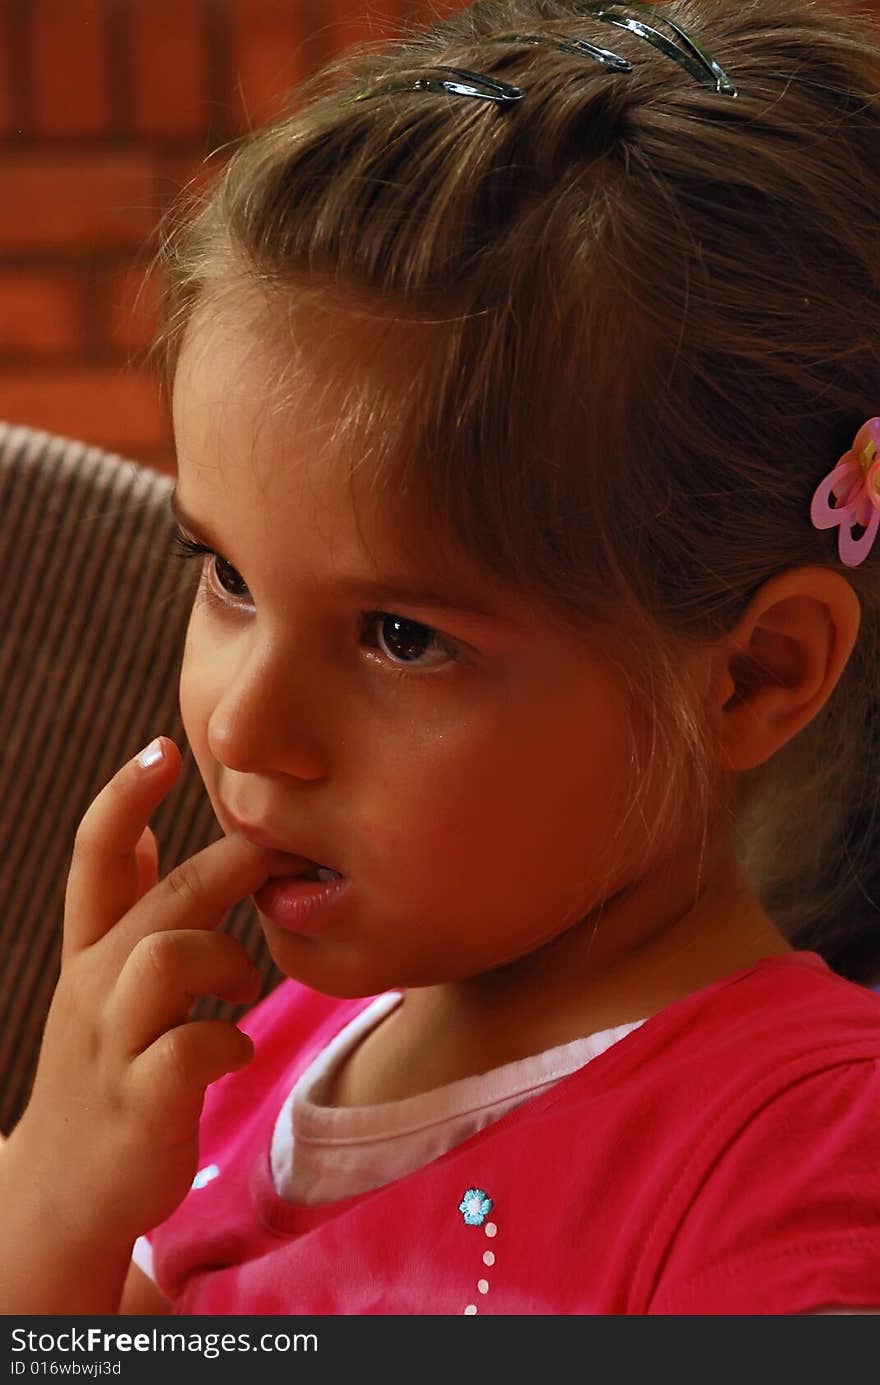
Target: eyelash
<point>185,547</point>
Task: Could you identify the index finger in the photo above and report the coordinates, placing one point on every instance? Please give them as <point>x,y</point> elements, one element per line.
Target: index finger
<point>102,884</point>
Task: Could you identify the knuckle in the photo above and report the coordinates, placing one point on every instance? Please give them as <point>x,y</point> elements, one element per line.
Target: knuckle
<point>184,881</point>
<point>161,953</point>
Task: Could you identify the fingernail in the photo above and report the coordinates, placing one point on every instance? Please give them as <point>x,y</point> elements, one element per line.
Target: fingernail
<point>152,755</point>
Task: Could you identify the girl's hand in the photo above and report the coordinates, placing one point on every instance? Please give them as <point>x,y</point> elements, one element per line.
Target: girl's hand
<point>111,1128</point>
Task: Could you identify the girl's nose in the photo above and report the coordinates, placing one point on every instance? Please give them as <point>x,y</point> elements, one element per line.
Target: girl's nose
<point>265,722</point>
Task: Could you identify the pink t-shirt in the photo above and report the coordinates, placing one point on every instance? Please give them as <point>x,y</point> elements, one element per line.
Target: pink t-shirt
<point>722,1158</point>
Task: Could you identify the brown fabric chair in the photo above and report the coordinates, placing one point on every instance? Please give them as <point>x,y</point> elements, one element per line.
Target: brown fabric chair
<point>93,616</point>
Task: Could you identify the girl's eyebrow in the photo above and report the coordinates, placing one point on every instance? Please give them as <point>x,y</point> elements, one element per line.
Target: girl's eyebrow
<point>459,602</point>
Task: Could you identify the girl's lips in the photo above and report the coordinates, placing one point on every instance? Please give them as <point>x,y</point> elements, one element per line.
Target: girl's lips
<point>298,905</point>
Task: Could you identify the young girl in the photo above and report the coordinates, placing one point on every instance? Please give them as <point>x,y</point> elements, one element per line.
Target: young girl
<point>525,391</point>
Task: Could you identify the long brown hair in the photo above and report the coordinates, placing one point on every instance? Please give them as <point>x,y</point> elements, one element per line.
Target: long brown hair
<point>635,323</point>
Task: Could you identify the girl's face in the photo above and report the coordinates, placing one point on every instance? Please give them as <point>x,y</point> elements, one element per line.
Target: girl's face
<point>466,769</point>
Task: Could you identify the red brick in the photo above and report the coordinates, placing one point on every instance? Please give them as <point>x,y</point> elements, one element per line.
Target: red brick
<point>193,171</point>
<point>130,308</point>
<point>169,61</point>
<point>266,45</point>
<point>424,12</point>
<point>162,459</point>
<point>84,200</point>
<point>348,24</point>
<point>68,68</point>
<point>109,407</point>
<point>40,312</point>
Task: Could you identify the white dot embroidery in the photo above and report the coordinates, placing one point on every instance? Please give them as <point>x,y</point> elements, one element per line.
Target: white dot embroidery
<point>490,1229</point>
<point>205,1175</point>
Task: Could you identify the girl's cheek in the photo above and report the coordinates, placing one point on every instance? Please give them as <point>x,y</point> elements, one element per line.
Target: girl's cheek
<point>195,699</point>
<point>187,694</point>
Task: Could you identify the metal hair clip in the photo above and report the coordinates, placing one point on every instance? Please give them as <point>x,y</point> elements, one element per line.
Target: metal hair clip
<point>578,46</point>
<point>705,69</point>
<point>468,84</point>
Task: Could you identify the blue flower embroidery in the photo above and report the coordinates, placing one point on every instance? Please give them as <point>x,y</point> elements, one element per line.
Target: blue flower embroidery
<point>475,1206</point>
<point>204,1176</point>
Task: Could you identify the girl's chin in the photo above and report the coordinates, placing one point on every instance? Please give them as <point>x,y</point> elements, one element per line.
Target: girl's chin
<point>316,963</point>
<point>323,966</point>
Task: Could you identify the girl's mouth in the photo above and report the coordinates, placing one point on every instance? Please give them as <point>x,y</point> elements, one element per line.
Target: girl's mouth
<point>316,872</point>
<point>301,867</point>
<point>300,903</point>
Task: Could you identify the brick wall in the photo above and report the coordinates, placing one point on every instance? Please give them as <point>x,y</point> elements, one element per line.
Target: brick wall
<point>106,108</point>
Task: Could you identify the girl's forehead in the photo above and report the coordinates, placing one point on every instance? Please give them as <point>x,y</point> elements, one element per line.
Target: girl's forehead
<point>274,423</point>
<point>282,393</point>
<point>267,389</point>
<point>261,455</point>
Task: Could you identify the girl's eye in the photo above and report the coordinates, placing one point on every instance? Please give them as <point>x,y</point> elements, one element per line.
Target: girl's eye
<point>403,641</point>
<point>407,640</point>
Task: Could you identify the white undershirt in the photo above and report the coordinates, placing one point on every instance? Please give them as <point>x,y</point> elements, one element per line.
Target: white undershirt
<point>324,1153</point>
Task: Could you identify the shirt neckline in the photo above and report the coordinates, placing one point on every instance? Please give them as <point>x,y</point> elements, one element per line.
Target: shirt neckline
<point>319,1123</point>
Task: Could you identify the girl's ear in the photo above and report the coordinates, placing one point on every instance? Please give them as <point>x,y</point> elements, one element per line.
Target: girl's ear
<point>779,665</point>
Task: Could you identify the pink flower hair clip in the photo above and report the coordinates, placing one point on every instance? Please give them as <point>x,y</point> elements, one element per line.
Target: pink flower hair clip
<point>855,484</point>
